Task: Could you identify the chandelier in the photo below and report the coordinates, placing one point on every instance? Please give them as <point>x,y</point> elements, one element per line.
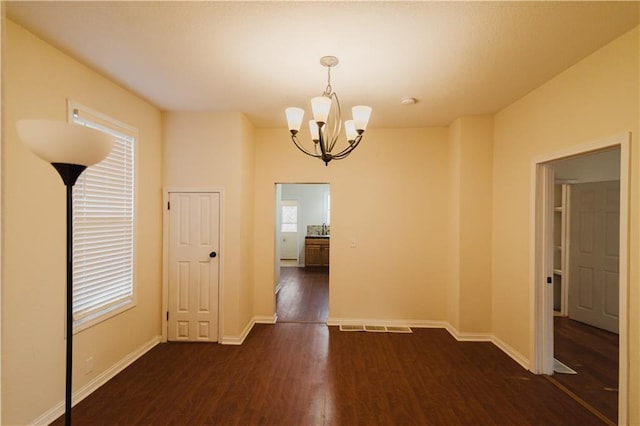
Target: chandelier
<point>326,125</point>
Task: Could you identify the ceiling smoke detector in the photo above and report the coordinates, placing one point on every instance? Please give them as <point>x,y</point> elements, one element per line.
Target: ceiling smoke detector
<point>408,101</point>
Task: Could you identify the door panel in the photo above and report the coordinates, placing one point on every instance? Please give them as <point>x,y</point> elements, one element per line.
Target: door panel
<point>193,273</point>
<point>585,288</point>
<point>593,254</point>
<point>289,245</point>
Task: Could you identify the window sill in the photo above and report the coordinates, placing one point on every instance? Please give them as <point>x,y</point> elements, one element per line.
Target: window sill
<point>102,315</point>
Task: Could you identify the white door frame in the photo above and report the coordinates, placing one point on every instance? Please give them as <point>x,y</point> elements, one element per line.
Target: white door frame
<point>165,255</point>
<point>541,239</point>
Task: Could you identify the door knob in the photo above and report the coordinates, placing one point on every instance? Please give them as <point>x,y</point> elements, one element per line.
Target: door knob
<point>213,254</point>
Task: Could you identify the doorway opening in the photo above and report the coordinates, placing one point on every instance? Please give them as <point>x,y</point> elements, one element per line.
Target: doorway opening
<point>579,279</point>
<point>303,235</point>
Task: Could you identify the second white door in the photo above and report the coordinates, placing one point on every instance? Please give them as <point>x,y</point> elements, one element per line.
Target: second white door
<point>593,254</point>
<point>194,226</point>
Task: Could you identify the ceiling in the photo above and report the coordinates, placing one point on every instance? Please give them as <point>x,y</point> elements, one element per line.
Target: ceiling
<point>455,58</point>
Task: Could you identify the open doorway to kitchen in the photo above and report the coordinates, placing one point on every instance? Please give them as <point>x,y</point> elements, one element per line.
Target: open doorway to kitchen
<point>579,281</point>
<point>303,241</point>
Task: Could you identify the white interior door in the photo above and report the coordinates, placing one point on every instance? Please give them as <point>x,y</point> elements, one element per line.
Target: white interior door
<point>594,254</point>
<point>194,220</point>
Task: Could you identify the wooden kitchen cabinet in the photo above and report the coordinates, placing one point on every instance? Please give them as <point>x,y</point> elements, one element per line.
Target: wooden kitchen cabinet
<point>316,252</point>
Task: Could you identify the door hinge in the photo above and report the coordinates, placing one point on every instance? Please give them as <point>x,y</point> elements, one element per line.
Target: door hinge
<point>168,205</point>
<point>167,316</point>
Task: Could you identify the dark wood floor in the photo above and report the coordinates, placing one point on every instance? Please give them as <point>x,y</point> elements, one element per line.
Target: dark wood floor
<point>308,374</point>
<point>593,354</point>
<point>303,295</point>
<point>312,374</point>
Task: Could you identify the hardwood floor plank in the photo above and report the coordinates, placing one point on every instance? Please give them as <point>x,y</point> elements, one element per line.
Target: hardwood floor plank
<point>311,374</point>
<point>593,354</point>
<point>303,295</point>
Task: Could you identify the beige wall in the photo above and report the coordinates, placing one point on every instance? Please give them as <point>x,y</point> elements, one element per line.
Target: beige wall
<point>38,80</point>
<point>247,180</point>
<point>2,15</point>
<point>216,150</point>
<point>596,98</point>
<point>388,198</point>
<point>453,287</point>
<point>470,162</point>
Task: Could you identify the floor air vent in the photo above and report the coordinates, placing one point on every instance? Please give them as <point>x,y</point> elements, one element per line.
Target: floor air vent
<point>399,329</point>
<point>376,328</point>
<point>352,328</point>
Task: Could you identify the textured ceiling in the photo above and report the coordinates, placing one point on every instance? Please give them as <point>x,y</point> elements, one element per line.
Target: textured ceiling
<point>456,58</point>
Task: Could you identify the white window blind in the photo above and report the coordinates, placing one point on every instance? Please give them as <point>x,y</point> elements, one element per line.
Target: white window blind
<point>103,226</point>
<point>289,216</point>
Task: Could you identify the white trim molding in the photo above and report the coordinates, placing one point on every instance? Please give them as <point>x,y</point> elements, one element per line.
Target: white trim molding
<point>238,340</point>
<point>57,410</point>
<point>513,354</point>
<point>458,335</point>
<point>266,319</point>
<point>387,322</point>
<point>541,303</point>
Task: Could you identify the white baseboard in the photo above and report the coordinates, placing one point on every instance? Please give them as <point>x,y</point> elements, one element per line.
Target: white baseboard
<point>459,336</point>
<point>515,355</point>
<point>238,340</point>
<point>387,322</point>
<point>57,410</point>
<point>468,337</point>
<point>266,319</point>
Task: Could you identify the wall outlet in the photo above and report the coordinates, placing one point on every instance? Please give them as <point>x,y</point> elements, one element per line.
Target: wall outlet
<point>88,365</point>
<point>353,244</point>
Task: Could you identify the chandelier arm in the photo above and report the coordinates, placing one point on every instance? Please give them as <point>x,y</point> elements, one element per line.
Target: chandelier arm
<point>337,123</point>
<point>334,139</point>
<point>348,149</point>
<point>298,145</point>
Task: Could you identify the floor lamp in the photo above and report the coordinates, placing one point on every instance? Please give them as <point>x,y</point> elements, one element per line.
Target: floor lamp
<point>70,148</point>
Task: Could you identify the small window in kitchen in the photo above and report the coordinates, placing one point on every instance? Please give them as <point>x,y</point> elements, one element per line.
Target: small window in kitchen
<point>289,216</point>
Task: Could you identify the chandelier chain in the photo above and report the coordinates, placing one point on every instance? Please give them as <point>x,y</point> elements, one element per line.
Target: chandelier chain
<point>328,90</point>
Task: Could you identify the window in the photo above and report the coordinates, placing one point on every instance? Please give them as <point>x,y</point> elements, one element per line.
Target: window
<point>103,226</point>
<point>289,216</point>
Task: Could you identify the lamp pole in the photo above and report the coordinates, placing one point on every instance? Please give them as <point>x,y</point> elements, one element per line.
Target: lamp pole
<point>70,149</point>
<point>69,174</point>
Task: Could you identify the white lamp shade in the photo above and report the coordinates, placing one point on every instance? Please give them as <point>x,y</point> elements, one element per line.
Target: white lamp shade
<point>361,116</point>
<point>320,107</point>
<point>294,118</point>
<point>314,130</point>
<point>61,142</point>
<point>350,130</point>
